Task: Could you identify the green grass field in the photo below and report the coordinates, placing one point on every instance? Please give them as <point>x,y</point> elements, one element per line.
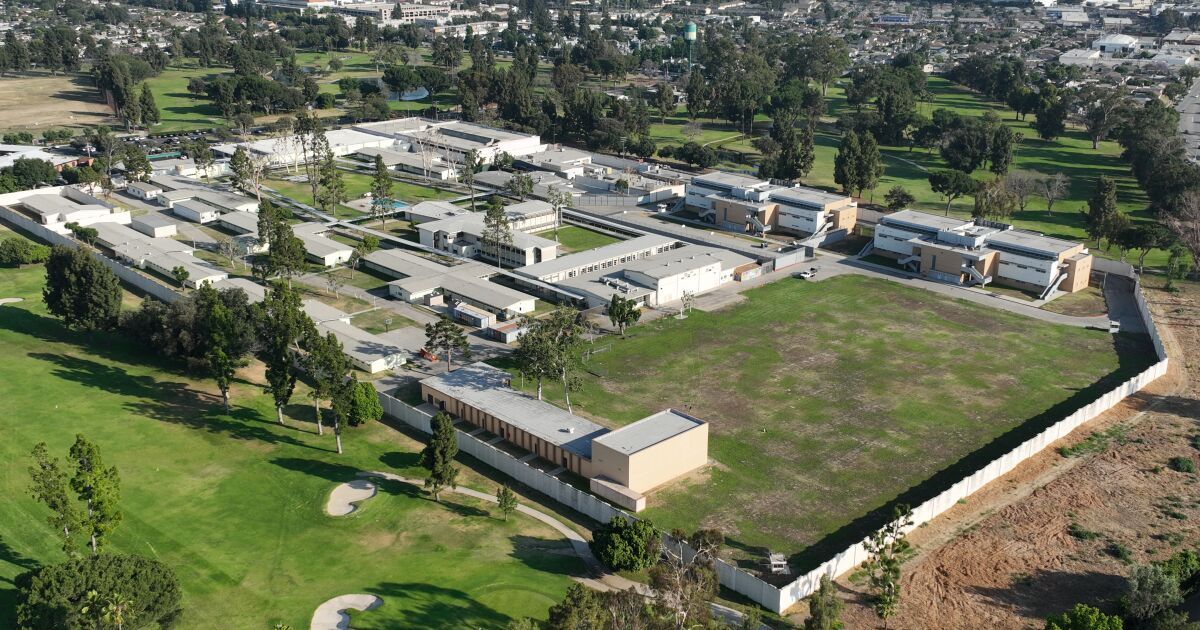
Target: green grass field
<point>572,238</point>
<point>235,503</point>
<point>829,400</point>
<point>357,185</point>
<point>181,111</point>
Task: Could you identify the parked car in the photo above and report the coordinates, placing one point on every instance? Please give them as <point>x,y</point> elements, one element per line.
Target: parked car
<point>807,273</point>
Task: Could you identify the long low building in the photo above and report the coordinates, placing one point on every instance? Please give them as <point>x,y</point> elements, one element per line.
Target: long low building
<point>368,352</point>
<point>55,207</point>
<point>462,233</point>
<point>421,280</point>
<point>980,252</point>
<point>622,464</point>
<point>320,248</point>
<point>160,255</point>
<point>650,270</point>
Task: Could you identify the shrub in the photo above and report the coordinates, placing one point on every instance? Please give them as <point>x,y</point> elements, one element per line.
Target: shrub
<point>1084,617</point>
<point>1078,532</point>
<point>52,596</point>
<point>626,547</point>
<point>1182,464</point>
<point>1119,551</point>
<point>1151,590</point>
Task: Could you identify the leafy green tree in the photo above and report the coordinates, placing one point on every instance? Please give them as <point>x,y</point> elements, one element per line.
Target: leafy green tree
<point>444,336</point>
<point>820,57</point>
<point>897,198</point>
<point>1144,237</point>
<point>381,192</point>
<point>181,274</point>
<point>506,499</point>
<point>1000,149</point>
<point>49,486</point>
<point>622,312</point>
<point>625,546</point>
<point>332,193</point>
<point>201,153</point>
<point>54,596</point>
<point>699,93</point>
<point>1051,121</point>
<point>227,343</point>
<point>1084,617</point>
<point>951,184</point>
<point>327,367</point>
<point>870,165</point>
<point>137,165</point>
<point>993,201</point>
<point>824,608</point>
<point>580,608</point>
<point>99,488</point>
<point>355,403</point>
<point>470,167</point>
<point>496,229</point>
<point>887,548</point>
<point>150,113</point>
<point>846,163</point>
<point>81,290</point>
<point>18,251</point>
<point>438,456</point>
<point>664,101</point>
<point>241,167</point>
<point>1101,207</point>
<point>520,185</point>
<point>282,324</point>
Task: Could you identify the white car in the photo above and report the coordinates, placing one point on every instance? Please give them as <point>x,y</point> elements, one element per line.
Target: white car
<point>807,273</point>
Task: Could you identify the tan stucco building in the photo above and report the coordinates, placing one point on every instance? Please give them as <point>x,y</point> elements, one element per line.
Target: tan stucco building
<point>982,252</point>
<point>622,464</point>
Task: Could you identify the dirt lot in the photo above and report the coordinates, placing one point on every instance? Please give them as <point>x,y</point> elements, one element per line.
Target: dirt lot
<point>1005,558</point>
<point>35,102</point>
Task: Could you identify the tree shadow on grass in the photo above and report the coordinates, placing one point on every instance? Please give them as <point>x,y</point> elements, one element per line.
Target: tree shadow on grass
<point>110,346</point>
<point>401,460</point>
<point>8,591</point>
<point>166,401</point>
<point>430,606</point>
<point>546,555</point>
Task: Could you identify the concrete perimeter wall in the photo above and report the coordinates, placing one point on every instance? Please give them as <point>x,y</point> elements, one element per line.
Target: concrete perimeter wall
<point>127,275</point>
<point>780,599</point>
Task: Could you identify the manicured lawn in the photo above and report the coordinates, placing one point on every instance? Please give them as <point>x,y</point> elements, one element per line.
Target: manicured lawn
<point>572,238</point>
<point>181,111</point>
<point>828,400</point>
<point>376,321</point>
<point>235,503</point>
<point>357,185</point>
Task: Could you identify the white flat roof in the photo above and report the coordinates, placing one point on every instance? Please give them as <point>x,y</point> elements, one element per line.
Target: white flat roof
<point>487,388</point>
<point>591,256</point>
<point>649,431</point>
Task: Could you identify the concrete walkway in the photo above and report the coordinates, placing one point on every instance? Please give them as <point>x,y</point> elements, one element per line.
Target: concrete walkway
<point>332,614</point>
<point>831,265</point>
<point>11,300</point>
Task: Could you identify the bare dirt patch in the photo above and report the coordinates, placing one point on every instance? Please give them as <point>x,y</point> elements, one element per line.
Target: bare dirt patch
<point>1006,557</point>
<point>30,102</point>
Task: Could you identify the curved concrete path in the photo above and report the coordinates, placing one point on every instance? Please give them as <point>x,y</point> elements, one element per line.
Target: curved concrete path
<point>11,300</point>
<point>332,614</point>
<point>343,499</point>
